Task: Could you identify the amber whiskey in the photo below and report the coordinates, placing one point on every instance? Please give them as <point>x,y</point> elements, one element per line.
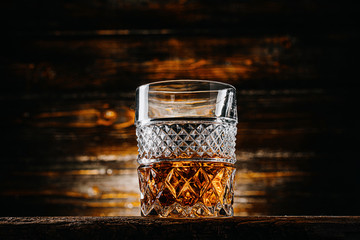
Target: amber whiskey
<point>186,188</point>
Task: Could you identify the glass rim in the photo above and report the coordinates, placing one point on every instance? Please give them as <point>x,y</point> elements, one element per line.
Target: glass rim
<point>207,120</point>
<point>224,85</point>
<point>216,96</point>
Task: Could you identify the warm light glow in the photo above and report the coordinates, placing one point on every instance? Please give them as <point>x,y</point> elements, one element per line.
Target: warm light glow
<point>87,118</point>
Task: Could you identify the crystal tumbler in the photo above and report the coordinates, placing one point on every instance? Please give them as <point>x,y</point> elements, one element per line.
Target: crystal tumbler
<point>186,141</point>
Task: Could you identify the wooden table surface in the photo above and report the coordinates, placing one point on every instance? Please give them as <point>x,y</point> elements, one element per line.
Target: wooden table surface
<point>265,227</point>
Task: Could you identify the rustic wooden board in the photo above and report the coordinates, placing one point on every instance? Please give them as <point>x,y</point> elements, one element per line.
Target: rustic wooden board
<point>69,155</point>
<point>245,16</point>
<point>68,74</point>
<point>58,65</point>
<point>157,228</point>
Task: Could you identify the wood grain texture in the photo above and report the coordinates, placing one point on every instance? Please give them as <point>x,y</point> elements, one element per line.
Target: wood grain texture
<point>157,228</point>
<point>119,64</point>
<point>246,16</point>
<point>69,70</point>
<point>76,155</point>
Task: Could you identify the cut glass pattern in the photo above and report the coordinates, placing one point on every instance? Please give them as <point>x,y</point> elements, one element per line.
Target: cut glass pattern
<point>187,189</point>
<point>186,140</point>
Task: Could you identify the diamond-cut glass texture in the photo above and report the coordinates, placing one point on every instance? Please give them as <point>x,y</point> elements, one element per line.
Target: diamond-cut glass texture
<point>186,140</point>
<point>186,189</point>
<point>186,168</point>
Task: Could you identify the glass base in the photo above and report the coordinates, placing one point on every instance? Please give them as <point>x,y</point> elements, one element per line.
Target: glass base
<point>198,210</point>
<point>187,189</point>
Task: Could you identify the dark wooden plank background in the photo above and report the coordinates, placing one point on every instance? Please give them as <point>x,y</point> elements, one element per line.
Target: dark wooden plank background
<point>69,70</point>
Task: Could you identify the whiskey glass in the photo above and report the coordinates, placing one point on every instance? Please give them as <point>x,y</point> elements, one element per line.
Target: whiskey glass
<point>186,132</point>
